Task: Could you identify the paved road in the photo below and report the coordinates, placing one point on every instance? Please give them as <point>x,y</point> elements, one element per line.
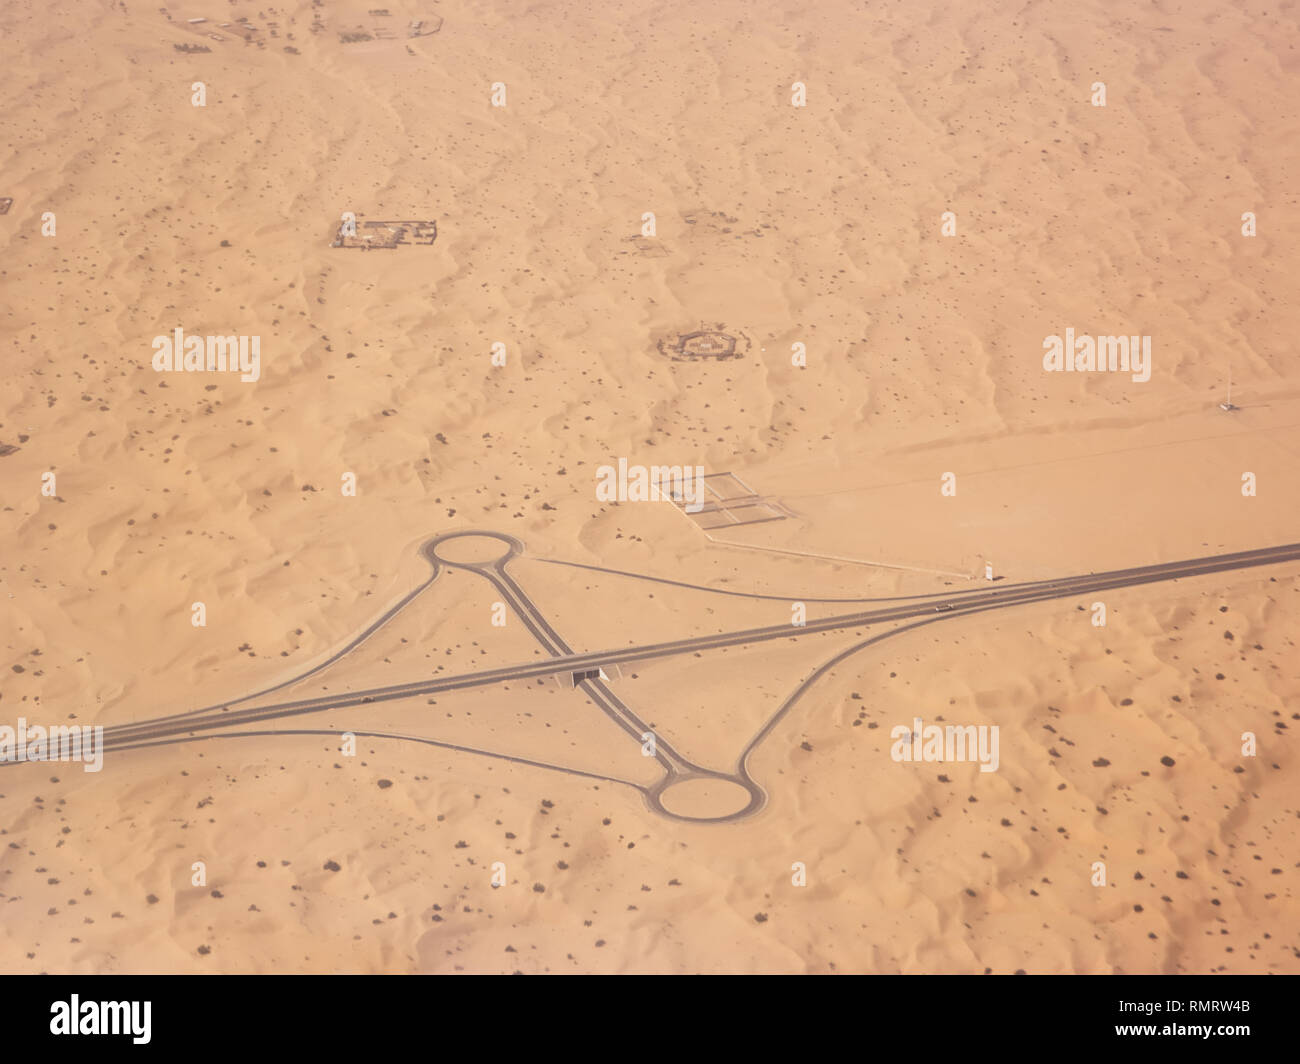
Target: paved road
<point>676,768</point>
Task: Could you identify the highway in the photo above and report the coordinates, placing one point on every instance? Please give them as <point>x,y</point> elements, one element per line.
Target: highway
<point>561,659</point>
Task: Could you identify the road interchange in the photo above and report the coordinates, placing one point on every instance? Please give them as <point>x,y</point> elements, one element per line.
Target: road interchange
<point>215,721</point>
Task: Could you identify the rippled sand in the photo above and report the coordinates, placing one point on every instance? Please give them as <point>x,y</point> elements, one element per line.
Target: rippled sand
<point>819,225</point>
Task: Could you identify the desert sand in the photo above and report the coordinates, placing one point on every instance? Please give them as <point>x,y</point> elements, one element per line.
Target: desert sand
<point>821,225</point>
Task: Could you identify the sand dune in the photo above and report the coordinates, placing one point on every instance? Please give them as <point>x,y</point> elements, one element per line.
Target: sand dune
<point>778,225</point>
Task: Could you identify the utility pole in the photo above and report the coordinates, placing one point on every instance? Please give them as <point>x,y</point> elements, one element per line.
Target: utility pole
<point>1228,405</point>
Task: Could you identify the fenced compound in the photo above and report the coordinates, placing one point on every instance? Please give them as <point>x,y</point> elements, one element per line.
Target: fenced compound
<point>220,31</point>
<point>386,31</point>
<point>730,502</point>
<point>369,235</point>
<point>703,345</point>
